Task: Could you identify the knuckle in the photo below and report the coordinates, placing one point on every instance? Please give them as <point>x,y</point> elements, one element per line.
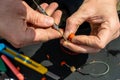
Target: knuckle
<point>17,41</point>
<point>69,20</point>
<point>118,34</point>
<point>72,21</point>
<point>101,45</point>
<point>18,44</point>
<point>35,19</point>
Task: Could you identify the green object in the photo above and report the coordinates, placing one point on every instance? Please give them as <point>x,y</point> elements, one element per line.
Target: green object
<point>2,66</point>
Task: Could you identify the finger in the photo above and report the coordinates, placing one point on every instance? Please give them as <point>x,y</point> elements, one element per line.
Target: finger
<point>97,41</point>
<point>57,16</point>
<point>37,18</point>
<point>44,5</point>
<point>51,8</point>
<point>45,35</point>
<point>32,35</point>
<point>79,48</point>
<point>74,21</point>
<point>100,40</point>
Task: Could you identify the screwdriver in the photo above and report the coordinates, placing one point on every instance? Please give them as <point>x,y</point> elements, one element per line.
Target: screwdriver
<point>55,26</point>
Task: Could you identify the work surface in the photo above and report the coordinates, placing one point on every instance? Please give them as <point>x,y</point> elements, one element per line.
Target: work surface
<point>112,61</point>
<point>104,55</point>
<point>109,55</point>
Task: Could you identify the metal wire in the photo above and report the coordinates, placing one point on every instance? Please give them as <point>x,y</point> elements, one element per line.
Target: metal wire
<point>95,74</point>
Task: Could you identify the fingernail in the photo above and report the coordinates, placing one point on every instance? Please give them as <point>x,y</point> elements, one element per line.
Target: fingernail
<point>65,43</point>
<point>61,42</point>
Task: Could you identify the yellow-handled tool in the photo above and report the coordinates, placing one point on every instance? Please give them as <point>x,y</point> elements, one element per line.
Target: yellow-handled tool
<point>25,60</point>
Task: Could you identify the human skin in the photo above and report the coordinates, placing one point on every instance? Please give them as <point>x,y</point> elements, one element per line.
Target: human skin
<point>20,25</point>
<point>103,19</point>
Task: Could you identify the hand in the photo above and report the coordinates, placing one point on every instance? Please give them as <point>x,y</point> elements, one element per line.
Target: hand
<point>21,25</point>
<point>103,18</point>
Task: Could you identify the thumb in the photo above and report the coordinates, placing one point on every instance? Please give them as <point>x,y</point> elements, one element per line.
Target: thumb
<point>37,18</point>
<point>73,22</point>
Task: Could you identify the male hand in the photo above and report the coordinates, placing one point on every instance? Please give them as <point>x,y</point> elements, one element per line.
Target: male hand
<point>21,25</point>
<point>103,18</point>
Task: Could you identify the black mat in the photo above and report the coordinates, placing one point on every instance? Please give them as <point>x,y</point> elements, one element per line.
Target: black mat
<point>57,55</point>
